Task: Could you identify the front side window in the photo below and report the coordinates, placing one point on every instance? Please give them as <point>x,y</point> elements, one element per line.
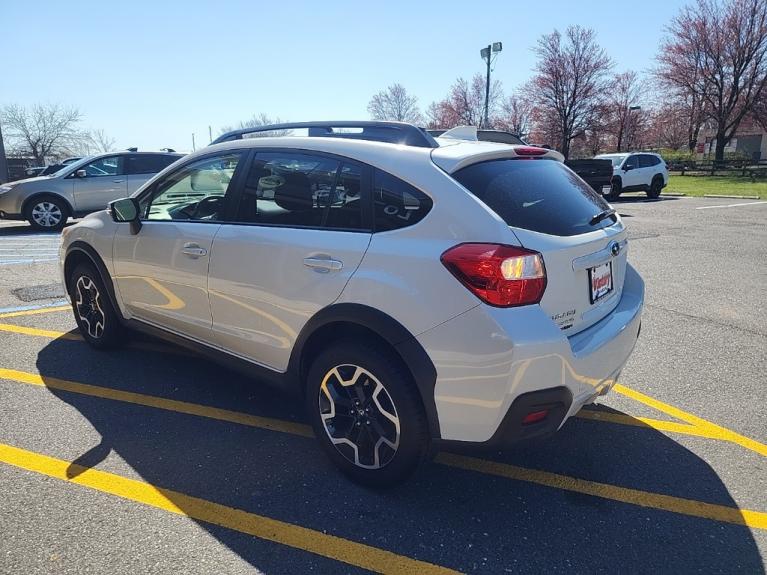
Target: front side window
<point>302,190</point>
<point>109,166</point>
<point>195,192</point>
<point>631,163</point>
<point>397,204</point>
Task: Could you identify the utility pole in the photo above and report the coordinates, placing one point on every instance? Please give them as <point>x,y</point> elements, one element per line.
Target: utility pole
<point>487,56</point>
<point>210,135</point>
<point>193,146</point>
<point>3,161</point>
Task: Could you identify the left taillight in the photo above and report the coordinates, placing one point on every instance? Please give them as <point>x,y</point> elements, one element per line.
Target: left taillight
<point>499,275</point>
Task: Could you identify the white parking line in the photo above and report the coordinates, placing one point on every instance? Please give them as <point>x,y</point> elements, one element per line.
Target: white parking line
<point>731,205</point>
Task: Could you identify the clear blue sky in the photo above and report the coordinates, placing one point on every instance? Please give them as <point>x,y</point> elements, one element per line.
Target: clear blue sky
<point>151,73</point>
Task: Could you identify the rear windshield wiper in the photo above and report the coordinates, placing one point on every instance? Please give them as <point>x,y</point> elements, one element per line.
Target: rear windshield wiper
<point>601,216</point>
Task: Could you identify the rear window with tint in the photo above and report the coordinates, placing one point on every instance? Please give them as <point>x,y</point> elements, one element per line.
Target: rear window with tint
<point>539,195</point>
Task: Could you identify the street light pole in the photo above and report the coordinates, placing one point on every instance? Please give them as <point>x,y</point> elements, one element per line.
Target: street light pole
<point>3,161</point>
<point>487,87</point>
<point>487,55</point>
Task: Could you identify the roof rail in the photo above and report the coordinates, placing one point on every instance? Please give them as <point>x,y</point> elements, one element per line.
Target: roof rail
<point>390,132</point>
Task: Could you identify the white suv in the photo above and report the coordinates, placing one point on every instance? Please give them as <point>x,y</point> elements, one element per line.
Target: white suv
<point>413,291</point>
<point>639,172</point>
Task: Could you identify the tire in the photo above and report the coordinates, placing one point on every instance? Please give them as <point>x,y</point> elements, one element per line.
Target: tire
<point>366,413</point>
<point>47,213</point>
<point>615,192</point>
<point>655,187</point>
<point>94,311</point>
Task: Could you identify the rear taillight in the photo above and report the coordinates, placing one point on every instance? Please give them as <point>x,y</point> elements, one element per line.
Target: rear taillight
<point>502,276</point>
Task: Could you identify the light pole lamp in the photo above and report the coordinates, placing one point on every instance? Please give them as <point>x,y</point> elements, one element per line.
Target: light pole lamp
<point>487,55</point>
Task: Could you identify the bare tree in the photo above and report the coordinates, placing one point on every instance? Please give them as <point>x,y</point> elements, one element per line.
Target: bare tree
<point>668,127</point>
<point>100,141</point>
<point>396,104</point>
<point>625,93</point>
<point>257,121</point>
<point>516,114</point>
<point>42,129</point>
<point>465,104</point>
<point>716,52</point>
<point>570,80</point>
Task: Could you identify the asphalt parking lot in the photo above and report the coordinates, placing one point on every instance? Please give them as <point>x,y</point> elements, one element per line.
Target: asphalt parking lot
<point>151,460</point>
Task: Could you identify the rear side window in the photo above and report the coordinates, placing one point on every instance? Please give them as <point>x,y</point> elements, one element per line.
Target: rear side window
<point>149,163</point>
<point>397,204</point>
<point>648,161</point>
<point>295,189</point>
<point>538,195</point>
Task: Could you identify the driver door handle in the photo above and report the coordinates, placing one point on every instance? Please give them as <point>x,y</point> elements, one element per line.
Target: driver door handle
<point>194,251</point>
<point>324,264</point>
<point>118,181</point>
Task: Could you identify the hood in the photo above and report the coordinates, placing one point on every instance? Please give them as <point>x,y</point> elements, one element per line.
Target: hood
<point>28,180</point>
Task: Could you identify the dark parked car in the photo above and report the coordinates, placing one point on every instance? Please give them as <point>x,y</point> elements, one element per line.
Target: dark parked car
<point>597,173</point>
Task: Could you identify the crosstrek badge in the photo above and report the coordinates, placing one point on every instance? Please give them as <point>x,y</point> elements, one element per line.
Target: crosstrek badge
<point>564,320</point>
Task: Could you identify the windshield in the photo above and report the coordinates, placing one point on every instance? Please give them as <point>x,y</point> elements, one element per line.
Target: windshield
<point>71,167</point>
<point>616,160</point>
<point>539,195</point>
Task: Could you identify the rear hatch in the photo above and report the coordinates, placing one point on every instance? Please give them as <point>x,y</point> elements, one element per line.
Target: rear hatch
<point>552,211</point>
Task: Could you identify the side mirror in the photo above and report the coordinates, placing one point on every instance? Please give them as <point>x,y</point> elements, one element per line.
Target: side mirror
<point>126,210</point>
<point>627,168</point>
<point>81,173</point>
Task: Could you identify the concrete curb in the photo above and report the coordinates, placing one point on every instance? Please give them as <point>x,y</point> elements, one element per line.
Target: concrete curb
<point>731,197</point>
<point>675,194</point>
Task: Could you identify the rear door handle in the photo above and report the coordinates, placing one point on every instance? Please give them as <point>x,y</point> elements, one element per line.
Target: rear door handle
<point>323,265</point>
<point>194,251</point>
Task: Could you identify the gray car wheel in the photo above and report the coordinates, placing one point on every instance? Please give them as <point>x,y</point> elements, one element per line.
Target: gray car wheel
<point>47,213</point>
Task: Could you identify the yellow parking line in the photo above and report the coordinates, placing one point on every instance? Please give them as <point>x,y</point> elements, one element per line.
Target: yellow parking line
<point>695,426</point>
<point>755,519</point>
<point>713,430</point>
<point>24,330</point>
<point>148,346</point>
<point>35,311</point>
<point>690,507</point>
<point>289,534</point>
<point>658,424</point>
<point>158,402</point>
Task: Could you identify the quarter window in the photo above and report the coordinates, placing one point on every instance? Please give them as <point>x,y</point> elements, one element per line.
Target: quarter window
<point>194,192</point>
<point>397,204</point>
<point>302,190</point>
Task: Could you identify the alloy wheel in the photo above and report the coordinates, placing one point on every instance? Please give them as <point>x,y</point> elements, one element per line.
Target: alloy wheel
<point>88,306</point>
<point>47,214</point>
<point>359,416</point>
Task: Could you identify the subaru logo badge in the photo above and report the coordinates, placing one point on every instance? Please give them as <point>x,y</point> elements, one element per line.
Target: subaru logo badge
<point>615,248</point>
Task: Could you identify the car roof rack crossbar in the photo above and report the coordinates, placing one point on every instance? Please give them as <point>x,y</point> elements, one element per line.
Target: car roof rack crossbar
<point>389,132</point>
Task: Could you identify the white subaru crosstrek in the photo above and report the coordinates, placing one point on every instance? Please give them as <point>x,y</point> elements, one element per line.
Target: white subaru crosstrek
<point>414,291</point>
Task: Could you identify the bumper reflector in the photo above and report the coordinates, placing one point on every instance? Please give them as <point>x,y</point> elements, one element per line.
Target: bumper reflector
<point>535,416</point>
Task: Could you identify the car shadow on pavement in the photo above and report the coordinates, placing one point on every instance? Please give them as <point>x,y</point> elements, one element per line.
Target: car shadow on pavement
<point>462,519</point>
<point>24,229</point>
<point>642,199</point>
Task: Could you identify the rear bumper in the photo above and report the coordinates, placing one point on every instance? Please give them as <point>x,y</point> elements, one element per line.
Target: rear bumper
<point>491,363</point>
